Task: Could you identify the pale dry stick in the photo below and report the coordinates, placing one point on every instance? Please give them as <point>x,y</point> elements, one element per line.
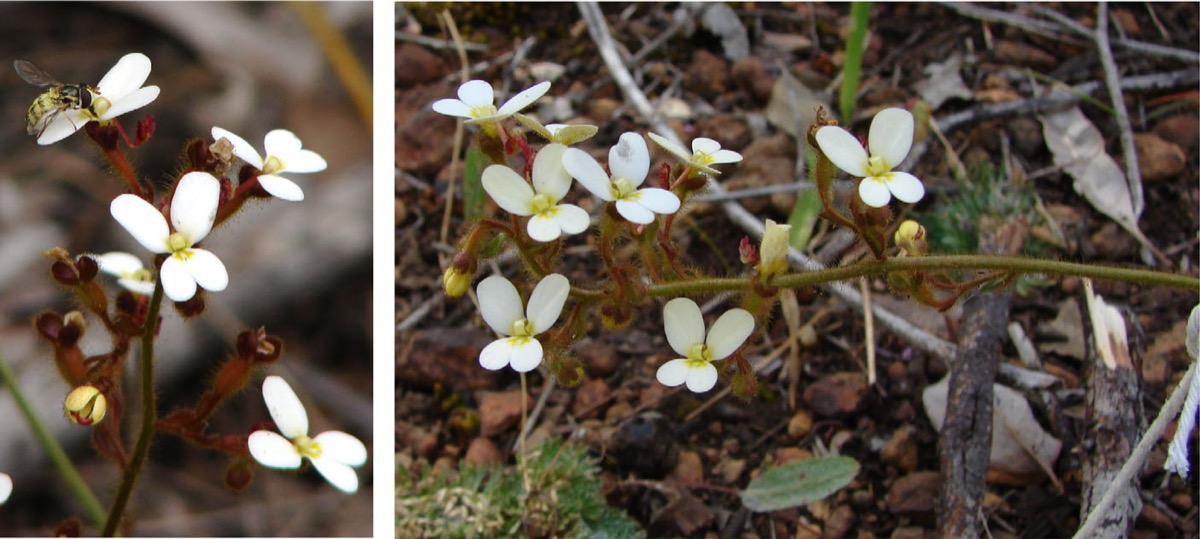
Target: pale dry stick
<point>417,315</point>
<point>868,329</point>
<point>1133,174</point>
<point>435,43</point>
<point>744,219</point>
<point>547,388</point>
<point>1138,457</point>
<point>448,212</point>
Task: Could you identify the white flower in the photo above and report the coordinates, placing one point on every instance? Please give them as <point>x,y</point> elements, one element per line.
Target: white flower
<point>1177,452</point>
<point>550,183</point>
<point>476,102</point>
<point>129,271</point>
<point>193,209</point>
<point>559,133</point>
<point>685,331</point>
<point>120,91</point>
<point>333,453</point>
<point>500,305</point>
<point>629,161</point>
<point>889,140</point>
<point>6,487</point>
<point>284,154</point>
<point>705,152</point>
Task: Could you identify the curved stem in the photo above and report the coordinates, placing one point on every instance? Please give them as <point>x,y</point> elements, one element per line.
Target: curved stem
<point>149,416</point>
<point>61,461</point>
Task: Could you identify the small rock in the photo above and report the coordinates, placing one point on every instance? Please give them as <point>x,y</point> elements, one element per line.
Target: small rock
<point>708,75</point>
<point>417,65</point>
<point>602,109</point>
<point>1125,20</point>
<point>901,450</point>
<point>422,442</point>
<point>800,424</point>
<point>1156,519</point>
<point>731,470</point>
<point>618,410</point>
<point>1183,129</point>
<point>914,494</point>
<point>588,399</point>
<point>599,357</point>
<point>446,356</point>
<point>1114,243</point>
<point>785,455</point>
<point>1181,502</point>
<point>690,468</point>
<point>730,131</point>
<point>751,75</point>
<point>1026,135</point>
<point>645,445</point>
<point>686,515</point>
<point>500,411</point>
<point>483,452</point>
<point>1012,52</point>
<point>837,394</point>
<point>421,133</point>
<point>909,532</point>
<point>1158,159</point>
<point>840,522</point>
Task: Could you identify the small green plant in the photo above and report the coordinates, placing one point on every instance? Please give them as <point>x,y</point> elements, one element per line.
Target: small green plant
<point>557,494</point>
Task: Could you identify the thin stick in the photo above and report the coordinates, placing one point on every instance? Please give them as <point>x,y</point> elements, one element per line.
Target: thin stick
<point>458,134</point>
<point>1133,174</point>
<point>521,436</point>
<point>868,330</point>
<point>547,388</point>
<point>1137,458</point>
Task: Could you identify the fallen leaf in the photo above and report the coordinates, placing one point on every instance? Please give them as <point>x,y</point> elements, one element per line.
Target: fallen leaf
<point>944,82</point>
<point>1068,324</point>
<point>793,113</point>
<point>798,483</point>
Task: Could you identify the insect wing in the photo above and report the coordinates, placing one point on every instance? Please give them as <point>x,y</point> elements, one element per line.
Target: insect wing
<point>44,120</point>
<point>34,75</point>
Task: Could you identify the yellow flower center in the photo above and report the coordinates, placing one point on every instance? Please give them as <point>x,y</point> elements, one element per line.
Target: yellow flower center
<point>272,165</point>
<point>100,105</point>
<point>698,355</point>
<point>702,158</point>
<point>622,188</point>
<point>878,168</point>
<point>483,111</point>
<point>541,203</point>
<point>523,328</point>
<point>307,447</point>
<point>178,245</point>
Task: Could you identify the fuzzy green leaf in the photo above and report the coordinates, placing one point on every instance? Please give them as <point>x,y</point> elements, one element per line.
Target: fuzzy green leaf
<point>474,197</point>
<point>804,218</point>
<point>798,483</point>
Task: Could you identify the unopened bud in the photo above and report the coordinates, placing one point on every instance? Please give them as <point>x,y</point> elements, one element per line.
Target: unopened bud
<point>87,268</point>
<point>455,282</point>
<point>910,238</point>
<point>774,248</point>
<point>747,252</point>
<point>85,405</point>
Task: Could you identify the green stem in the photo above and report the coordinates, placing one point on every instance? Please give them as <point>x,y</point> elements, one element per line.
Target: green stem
<point>66,469</point>
<point>149,416</point>
<point>950,262</point>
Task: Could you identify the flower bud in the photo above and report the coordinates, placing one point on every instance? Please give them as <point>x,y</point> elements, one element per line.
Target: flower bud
<point>774,248</point>
<point>747,253</point>
<point>238,474</point>
<point>910,238</point>
<point>455,282</point>
<point>87,268</point>
<point>85,405</point>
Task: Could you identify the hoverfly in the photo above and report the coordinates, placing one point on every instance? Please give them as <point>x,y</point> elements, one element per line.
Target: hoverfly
<point>57,98</point>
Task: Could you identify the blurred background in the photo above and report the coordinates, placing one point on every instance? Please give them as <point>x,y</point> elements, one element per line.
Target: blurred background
<point>301,270</point>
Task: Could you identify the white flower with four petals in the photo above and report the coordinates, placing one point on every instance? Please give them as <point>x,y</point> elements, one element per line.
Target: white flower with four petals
<point>705,153</point>
<point>684,326</point>
<point>889,141</point>
<point>333,453</point>
<point>131,274</point>
<point>477,102</point>
<point>500,305</point>
<point>120,91</point>
<point>193,209</point>
<point>547,218</point>
<point>284,154</point>
<point>629,161</point>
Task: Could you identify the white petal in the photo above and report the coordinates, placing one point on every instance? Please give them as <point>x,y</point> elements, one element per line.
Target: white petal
<point>724,156</point>
<point>342,447</point>
<point>705,145</point>
<point>144,222</point>
<point>874,193</point>
<point>544,227</point>
<point>128,75</point>
<point>518,102</point>
<point>702,378</point>
<point>1193,333</point>
<point>549,175</point>
<point>658,200</point>
<point>339,475</point>
<point>669,146</point>
<point>906,187</point>
<point>499,304</point>
<point>547,300</point>
<point>272,450</point>
<point>634,212</point>
<point>6,487</point>
<point>572,219</point>
<point>285,407</point>
<point>281,143</point>
<point>241,148</point>
<point>498,354</point>
<point>194,205</point>
<point>305,161</point>
<point>630,159</point>
<point>843,150</point>
<point>476,92</point>
<point>177,280</point>
<point>673,373</point>
<point>729,332</point>
<point>118,263</point>
<point>281,188</point>
<point>452,107</point>
<point>508,189</point>
<point>144,288</point>
<point>683,324</point>
<point>62,126</point>
<point>207,270</point>
<point>131,102</point>
<point>590,174</point>
<point>891,135</point>
<point>527,356</point>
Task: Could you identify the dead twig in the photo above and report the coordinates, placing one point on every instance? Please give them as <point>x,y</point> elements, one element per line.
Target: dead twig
<point>1112,80</point>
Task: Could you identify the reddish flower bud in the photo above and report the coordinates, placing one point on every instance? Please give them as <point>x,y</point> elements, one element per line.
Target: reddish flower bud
<point>239,474</point>
<point>145,128</point>
<point>747,253</point>
<point>191,308</point>
<point>65,273</point>
<point>87,268</point>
